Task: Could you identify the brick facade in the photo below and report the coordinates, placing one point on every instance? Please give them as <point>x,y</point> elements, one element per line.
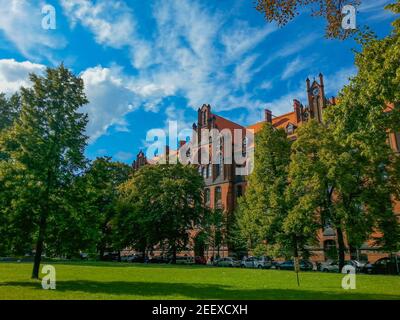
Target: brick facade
<point>223,187</point>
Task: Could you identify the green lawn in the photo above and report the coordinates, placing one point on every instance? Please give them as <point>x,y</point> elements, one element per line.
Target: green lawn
<point>129,281</point>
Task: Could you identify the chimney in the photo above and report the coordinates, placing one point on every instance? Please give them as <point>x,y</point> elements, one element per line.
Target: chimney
<point>268,115</point>
<point>297,110</point>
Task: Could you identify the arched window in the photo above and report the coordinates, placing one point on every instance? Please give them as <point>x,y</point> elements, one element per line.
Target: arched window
<point>204,117</point>
<point>330,249</point>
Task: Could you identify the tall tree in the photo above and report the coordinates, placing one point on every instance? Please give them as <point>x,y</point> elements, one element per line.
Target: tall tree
<point>264,207</point>
<point>165,202</point>
<point>45,149</point>
<point>369,109</point>
<point>102,180</point>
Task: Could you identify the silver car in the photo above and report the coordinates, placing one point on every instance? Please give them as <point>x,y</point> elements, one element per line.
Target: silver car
<point>227,262</point>
<point>258,263</point>
<point>330,266</point>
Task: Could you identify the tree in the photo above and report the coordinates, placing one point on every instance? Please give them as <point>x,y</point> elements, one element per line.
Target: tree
<point>264,208</point>
<point>102,180</point>
<point>283,11</point>
<point>44,149</point>
<point>164,203</point>
<point>215,229</point>
<point>10,109</point>
<point>369,109</point>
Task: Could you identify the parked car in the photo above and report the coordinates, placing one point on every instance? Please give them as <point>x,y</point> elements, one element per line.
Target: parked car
<point>84,256</point>
<point>358,265</point>
<point>227,262</point>
<point>248,262</point>
<point>383,266</point>
<point>158,259</point>
<point>184,260</point>
<point>200,260</point>
<point>127,258</point>
<point>329,266</point>
<point>111,256</point>
<point>305,265</point>
<point>263,262</point>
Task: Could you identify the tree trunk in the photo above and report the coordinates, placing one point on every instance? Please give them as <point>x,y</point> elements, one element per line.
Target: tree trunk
<point>101,253</point>
<point>174,253</point>
<point>39,248</point>
<point>296,259</point>
<point>341,249</point>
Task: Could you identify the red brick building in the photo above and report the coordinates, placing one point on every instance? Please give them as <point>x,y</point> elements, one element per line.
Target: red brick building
<point>223,186</point>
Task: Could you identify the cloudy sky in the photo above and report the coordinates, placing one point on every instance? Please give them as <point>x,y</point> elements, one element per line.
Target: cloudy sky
<point>147,62</point>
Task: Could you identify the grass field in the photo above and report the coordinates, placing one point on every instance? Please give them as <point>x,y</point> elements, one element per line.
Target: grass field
<point>92,280</point>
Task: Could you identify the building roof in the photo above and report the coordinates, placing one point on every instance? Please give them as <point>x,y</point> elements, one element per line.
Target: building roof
<point>279,122</point>
<point>223,123</point>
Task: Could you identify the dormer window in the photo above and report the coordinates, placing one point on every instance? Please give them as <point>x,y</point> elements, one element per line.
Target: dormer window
<point>290,128</point>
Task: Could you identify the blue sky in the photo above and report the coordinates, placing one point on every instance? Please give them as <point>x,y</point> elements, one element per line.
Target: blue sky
<point>147,62</point>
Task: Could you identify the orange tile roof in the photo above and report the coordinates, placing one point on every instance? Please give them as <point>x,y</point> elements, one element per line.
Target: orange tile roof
<point>278,122</point>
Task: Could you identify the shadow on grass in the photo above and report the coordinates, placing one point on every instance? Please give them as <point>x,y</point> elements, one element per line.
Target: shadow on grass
<point>150,290</point>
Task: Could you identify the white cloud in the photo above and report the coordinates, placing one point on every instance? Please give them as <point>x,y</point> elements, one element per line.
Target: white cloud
<point>241,38</point>
<point>110,100</point>
<point>14,75</point>
<point>191,53</point>
<point>336,81</point>
<point>110,21</point>
<point>375,9</point>
<point>20,24</point>
<point>295,66</point>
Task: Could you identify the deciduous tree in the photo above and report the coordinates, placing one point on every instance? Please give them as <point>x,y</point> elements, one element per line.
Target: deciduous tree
<point>44,149</point>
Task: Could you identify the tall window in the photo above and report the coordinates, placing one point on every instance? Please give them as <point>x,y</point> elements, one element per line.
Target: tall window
<point>207,196</point>
<point>210,170</point>
<point>217,196</point>
<point>221,164</point>
<point>204,170</point>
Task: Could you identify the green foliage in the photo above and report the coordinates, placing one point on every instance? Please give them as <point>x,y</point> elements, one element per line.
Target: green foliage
<point>161,204</point>
<point>10,109</point>
<point>263,209</point>
<point>44,149</point>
